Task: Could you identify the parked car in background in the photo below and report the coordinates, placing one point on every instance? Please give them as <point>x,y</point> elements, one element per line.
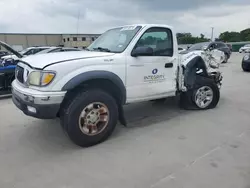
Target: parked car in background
<point>230,47</point>
<point>3,53</point>
<point>7,69</point>
<point>8,63</point>
<point>180,49</point>
<point>245,49</point>
<point>26,52</point>
<point>58,49</point>
<point>221,46</point>
<point>245,64</point>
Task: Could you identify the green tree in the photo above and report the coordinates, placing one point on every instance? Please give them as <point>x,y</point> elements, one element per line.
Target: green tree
<point>233,36</point>
<point>230,36</point>
<point>245,34</point>
<point>187,38</point>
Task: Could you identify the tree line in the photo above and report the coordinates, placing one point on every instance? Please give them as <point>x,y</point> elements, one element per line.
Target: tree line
<point>227,36</point>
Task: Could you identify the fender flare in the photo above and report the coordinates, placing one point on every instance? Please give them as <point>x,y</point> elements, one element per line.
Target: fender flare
<point>91,75</point>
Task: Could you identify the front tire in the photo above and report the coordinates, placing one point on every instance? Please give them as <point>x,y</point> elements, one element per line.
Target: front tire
<point>245,68</point>
<point>205,95</point>
<point>90,118</point>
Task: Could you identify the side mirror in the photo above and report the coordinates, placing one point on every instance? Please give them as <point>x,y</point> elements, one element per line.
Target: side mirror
<point>142,51</point>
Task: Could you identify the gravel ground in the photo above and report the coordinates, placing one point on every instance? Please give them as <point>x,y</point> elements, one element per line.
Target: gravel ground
<point>163,146</point>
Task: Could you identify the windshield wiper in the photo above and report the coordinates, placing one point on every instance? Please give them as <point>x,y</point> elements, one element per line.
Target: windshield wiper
<point>102,49</point>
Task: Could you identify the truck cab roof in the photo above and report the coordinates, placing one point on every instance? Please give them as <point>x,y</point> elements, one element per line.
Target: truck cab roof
<point>145,25</point>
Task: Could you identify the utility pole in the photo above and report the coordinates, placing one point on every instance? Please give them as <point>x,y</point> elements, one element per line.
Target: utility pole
<point>212,34</point>
<point>78,19</point>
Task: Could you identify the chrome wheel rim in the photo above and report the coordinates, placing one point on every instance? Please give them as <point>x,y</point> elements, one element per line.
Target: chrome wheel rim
<point>204,97</point>
<point>94,118</point>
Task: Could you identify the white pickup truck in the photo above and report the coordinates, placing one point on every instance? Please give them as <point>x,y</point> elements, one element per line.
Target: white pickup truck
<point>87,90</point>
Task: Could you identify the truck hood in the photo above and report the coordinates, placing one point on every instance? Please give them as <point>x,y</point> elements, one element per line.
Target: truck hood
<point>41,60</point>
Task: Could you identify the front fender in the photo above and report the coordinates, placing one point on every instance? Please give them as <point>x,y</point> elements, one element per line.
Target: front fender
<point>186,58</point>
<point>98,74</point>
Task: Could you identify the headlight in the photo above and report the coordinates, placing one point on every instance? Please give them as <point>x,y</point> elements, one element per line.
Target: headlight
<point>246,57</point>
<point>39,78</point>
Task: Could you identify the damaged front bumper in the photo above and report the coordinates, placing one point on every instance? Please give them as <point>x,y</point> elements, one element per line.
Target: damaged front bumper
<point>38,104</point>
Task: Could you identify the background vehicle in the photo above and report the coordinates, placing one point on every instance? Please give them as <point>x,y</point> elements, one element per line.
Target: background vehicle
<point>245,64</point>
<point>128,64</point>
<point>26,52</point>
<point>8,64</point>
<point>34,50</point>
<point>58,49</point>
<point>245,48</point>
<point>180,49</point>
<point>7,70</point>
<point>3,53</point>
<point>211,46</point>
<point>230,47</point>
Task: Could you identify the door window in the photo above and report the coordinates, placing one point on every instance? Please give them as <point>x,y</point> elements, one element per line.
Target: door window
<point>220,45</point>
<point>159,39</point>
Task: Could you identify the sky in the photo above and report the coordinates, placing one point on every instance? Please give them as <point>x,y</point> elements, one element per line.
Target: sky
<point>96,16</point>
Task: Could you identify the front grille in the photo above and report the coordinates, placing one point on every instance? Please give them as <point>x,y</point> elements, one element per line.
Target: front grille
<point>19,74</point>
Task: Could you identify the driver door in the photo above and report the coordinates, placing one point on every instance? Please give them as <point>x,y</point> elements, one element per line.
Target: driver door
<point>152,76</point>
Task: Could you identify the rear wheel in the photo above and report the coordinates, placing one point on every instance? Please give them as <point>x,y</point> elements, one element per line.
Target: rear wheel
<point>205,95</point>
<point>90,117</point>
<point>226,58</point>
<point>245,67</point>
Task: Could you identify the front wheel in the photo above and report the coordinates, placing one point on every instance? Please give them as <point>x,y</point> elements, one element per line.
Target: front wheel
<point>90,117</point>
<point>245,67</point>
<point>205,95</point>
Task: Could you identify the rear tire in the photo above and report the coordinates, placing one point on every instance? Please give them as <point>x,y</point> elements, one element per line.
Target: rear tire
<point>190,99</point>
<point>77,128</point>
<point>226,58</point>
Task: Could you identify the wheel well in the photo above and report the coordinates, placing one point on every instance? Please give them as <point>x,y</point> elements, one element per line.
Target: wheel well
<point>190,71</point>
<point>104,84</point>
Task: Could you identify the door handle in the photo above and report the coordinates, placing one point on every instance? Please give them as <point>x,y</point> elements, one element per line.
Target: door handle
<point>169,65</point>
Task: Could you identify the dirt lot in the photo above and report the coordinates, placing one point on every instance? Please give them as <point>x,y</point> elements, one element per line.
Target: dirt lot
<point>163,147</point>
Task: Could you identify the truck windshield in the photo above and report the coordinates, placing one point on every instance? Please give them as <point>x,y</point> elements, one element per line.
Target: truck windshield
<point>114,40</point>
